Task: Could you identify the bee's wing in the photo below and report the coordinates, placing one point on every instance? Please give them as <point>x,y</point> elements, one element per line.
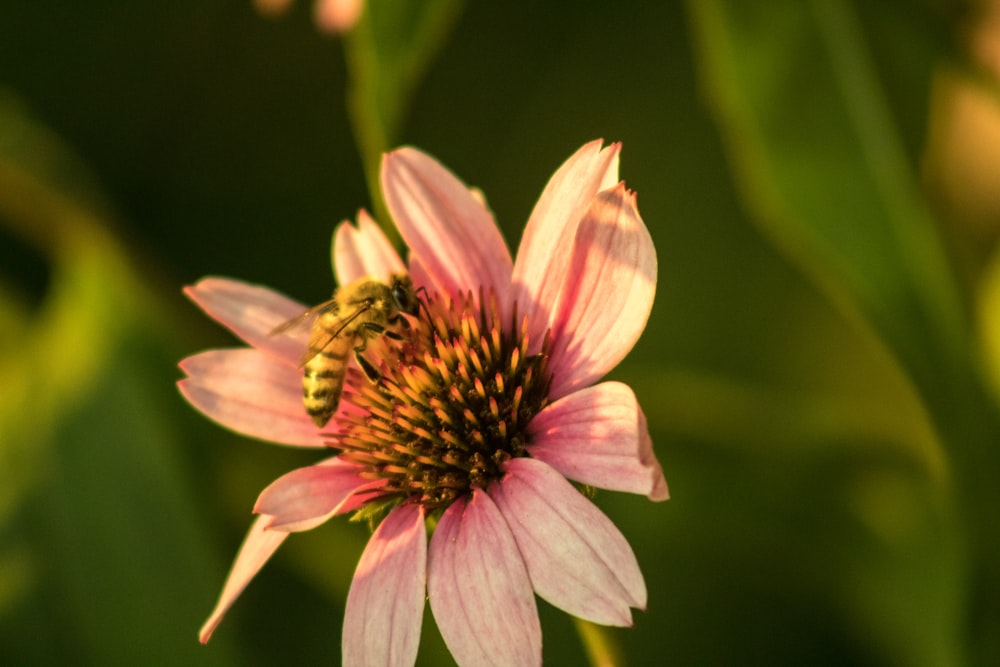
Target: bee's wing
<point>322,339</point>
<point>305,319</point>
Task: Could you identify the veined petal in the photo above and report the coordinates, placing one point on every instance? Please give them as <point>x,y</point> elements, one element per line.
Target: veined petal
<point>363,251</point>
<point>547,244</point>
<point>576,558</point>
<point>608,294</point>
<point>359,497</point>
<point>251,393</point>
<point>257,548</point>
<point>479,589</point>
<point>443,223</point>
<point>598,436</point>
<point>252,312</point>
<point>420,275</point>
<point>385,605</point>
<point>304,498</point>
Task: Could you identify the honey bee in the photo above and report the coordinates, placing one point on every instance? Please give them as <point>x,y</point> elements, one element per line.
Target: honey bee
<point>357,312</point>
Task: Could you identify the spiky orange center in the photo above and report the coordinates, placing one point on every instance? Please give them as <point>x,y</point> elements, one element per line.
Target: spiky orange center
<point>451,405</point>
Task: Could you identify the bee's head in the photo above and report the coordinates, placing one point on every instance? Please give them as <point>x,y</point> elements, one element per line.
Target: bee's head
<point>403,294</point>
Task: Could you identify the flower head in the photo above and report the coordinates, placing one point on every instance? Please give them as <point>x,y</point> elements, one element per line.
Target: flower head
<point>481,408</point>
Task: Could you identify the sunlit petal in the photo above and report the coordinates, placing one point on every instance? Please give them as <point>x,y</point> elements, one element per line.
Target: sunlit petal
<point>479,589</point>
<point>363,251</point>
<point>251,393</point>
<point>577,559</point>
<point>386,603</point>
<point>453,234</point>
<point>546,248</point>
<point>306,497</point>
<point>251,312</point>
<point>606,300</point>
<point>598,436</point>
<point>257,548</point>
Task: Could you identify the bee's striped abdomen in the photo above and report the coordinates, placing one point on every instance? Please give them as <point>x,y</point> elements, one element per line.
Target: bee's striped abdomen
<point>323,379</point>
<point>358,311</point>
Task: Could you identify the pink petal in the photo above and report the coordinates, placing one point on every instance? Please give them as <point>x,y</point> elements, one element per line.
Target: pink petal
<point>419,274</point>
<point>386,603</point>
<point>598,436</point>
<point>256,550</point>
<point>479,589</point>
<point>546,247</point>
<point>305,498</point>
<point>252,312</point>
<point>576,558</point>
<point>363,251</point>
<point>251,393</point>
<point>605,302</point>
<point>451,232</point>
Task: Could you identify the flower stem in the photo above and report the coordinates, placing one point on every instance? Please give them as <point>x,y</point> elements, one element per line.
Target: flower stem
<point>601,648</point>
<point>387,54</point>
<point>371,133</point>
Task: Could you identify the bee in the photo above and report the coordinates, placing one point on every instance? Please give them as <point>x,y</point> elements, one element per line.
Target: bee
<point>357,312</point>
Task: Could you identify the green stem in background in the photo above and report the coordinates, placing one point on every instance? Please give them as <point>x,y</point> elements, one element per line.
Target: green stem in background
<point>600,645</point>
<point>387,54</point>
<point>371,133</point>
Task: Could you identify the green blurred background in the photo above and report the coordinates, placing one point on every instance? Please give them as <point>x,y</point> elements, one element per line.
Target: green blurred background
<point>822,182</point>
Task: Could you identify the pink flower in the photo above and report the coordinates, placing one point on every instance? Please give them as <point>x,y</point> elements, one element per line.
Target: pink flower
<point>481,415</point>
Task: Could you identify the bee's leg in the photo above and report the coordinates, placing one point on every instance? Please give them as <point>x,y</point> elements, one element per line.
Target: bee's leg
<point>400,321</point>
<point>380,330</point>
<point>367,367</point>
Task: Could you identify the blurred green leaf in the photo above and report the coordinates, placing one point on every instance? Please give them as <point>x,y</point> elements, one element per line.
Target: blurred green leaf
<point>388,52</point>
<point>989,323</point>
<point>819,509</point>
<point>821,161</point>
<point>104,559</point>
<point>823,170</point>
<point>780,422</point>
